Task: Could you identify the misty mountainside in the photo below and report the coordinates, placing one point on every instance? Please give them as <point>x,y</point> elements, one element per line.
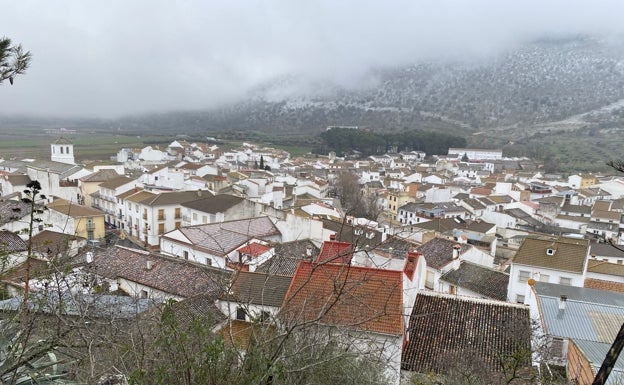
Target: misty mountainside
<point>546,81</point>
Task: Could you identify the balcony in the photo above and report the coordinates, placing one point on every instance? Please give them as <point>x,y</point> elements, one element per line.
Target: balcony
<point>108,198</point>
<point>144,217</point>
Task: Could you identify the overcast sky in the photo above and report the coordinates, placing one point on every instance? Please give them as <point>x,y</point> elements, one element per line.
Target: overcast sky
<point>108,58</point>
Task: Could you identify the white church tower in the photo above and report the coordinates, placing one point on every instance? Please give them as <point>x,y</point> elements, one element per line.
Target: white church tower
<point>62,151</point>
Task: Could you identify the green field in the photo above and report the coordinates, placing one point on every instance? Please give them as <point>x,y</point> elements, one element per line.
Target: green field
<point>28,142</point>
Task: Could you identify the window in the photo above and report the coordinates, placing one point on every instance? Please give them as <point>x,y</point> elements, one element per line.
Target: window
<point>519,298</point>
<point>429,280</point>
<point>241,314</point>
<point>619,261</point>
<point>143,294</point>
<point>178,214</point>
<point>161,228</point>
<point>194,216</point>
<point>556,348</point>
<point>544,277</point>
<point>204,219</point>
<point>565,281</point>
<point>265,316</point>
<point>452,289</point>
<point>178,225</point>
<point>161,214</point>
<point>185,254</point>
<point>524,276</point>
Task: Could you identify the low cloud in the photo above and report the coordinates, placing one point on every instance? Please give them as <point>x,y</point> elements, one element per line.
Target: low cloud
<point>111,58</point>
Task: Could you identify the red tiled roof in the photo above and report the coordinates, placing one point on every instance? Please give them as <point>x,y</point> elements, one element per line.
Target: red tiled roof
<point>333,250</point>
<point>362,298</point>
<point>254,249</point>
<point>444,328</point>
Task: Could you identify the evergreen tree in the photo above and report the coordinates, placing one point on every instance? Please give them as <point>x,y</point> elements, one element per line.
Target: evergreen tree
<point>13,60</point>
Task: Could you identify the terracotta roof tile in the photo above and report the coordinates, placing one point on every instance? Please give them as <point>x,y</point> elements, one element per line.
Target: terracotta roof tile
<point>73,209</point>
<point>222,238</point>
<point>214,204</point>
<point>169,275</point>
<point>599,284</point>
<point>335,252</point>
<point>346,296</point>
<point>444,328</point>
<point>254,249</point>
<point>438,252</point>
<point>489,283</point>
<point>258,289</point>
<point>11,242</point>
<point>569,253</point>
<point>287,256</point>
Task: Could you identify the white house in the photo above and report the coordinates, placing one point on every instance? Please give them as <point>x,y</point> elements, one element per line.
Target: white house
<point>547,259</point>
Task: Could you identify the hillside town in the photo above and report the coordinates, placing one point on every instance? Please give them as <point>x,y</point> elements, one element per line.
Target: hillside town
<point>419,261</point>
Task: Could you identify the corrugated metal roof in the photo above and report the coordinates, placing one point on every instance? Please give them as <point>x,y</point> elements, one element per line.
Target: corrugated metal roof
<point>579,294</point>
<point>582,318</point>
<point>596,353</point>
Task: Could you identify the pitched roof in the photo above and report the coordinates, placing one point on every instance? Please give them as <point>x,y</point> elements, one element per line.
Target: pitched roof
<point>438,252</point>
<point>443,225</point>
<point>605,250</point>
<point>13,210</point>
<point>569,253</point>
<point>222,238</point>
<point>254,249</point>
<point>118,181</point>
<point>595,353</point>
<point>287,257</point>
<point>100,176</point>
<point>52,243</point>
<point>170,275</point>
<point>11,242</point>
<point>18,179</point>
<point>589,314</point>
<point>444,328</point>
<point>490,283</point>
<point>347,296</point>
<point>214,204</point>
<point>604,267</point>
<point>335,252</point>
<point>136,195</point>
<point>258,289</point>
<point>173,198</point>
<point>73,209</point>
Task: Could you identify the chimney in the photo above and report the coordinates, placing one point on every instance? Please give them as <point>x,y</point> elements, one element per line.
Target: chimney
<point>199,192</point>
<point>562,302</point>
<point>309,251</point>
<point>332,237</point>
<point>456,249</point>
<point>150,265</point>
<point>89,257</point>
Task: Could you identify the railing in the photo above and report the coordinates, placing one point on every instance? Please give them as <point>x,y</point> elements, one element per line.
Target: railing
<point>161,217</point>
<point>108,198</point>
